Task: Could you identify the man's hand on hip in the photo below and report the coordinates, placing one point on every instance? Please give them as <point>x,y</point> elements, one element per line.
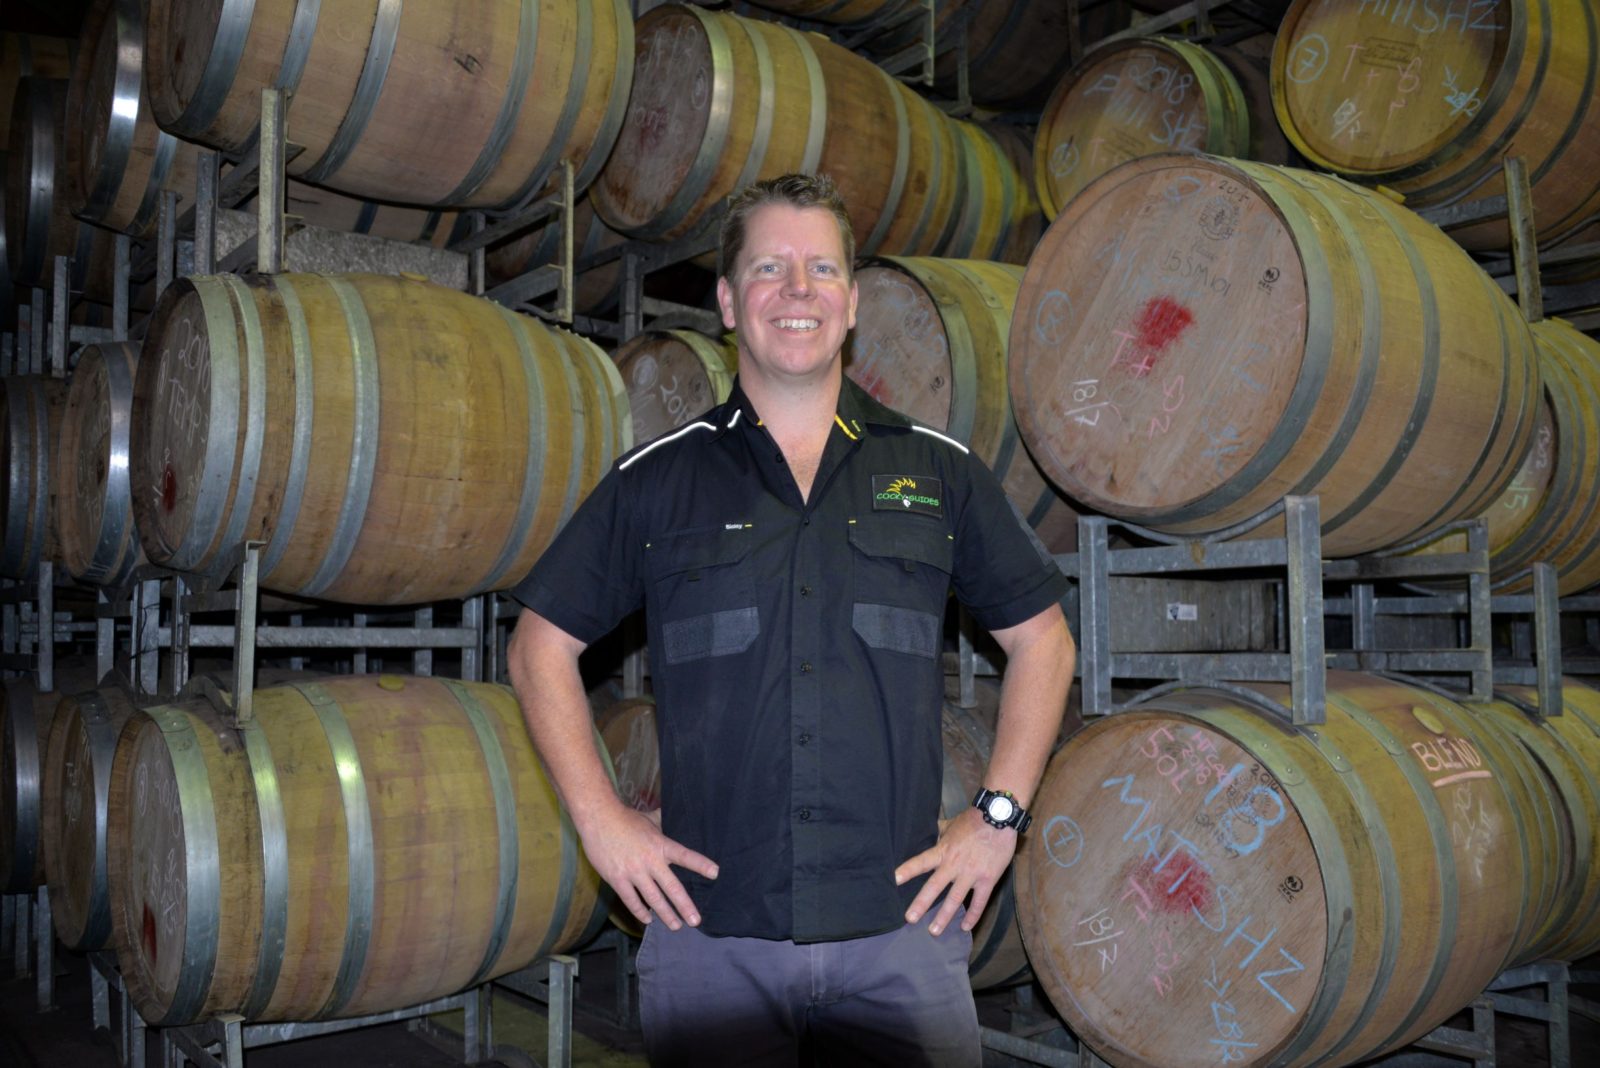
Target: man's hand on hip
<point>629,851</point>
<point>970,856</point>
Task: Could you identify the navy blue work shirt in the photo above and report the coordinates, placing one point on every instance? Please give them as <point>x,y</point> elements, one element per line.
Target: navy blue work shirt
<point>795,646</point>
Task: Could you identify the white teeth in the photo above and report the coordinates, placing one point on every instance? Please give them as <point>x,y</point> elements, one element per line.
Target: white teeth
<point>798,324</point>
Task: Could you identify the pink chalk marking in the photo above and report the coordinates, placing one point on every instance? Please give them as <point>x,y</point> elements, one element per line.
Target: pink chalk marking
<point>1461,776</point>
<point>1181,883</point>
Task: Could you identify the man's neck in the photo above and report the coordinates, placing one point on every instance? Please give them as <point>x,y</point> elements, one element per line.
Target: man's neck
<point>799,417</point>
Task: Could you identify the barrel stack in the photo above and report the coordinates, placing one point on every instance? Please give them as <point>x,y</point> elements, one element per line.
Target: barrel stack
<point>1202,331</point>
<point>1210,886</point>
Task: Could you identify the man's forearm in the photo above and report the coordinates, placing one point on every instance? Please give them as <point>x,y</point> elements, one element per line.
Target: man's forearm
<point>1033,697</point>
<point>543,663</point>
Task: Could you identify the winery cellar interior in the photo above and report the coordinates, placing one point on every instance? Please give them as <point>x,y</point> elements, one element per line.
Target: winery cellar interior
<point>1277,320</point>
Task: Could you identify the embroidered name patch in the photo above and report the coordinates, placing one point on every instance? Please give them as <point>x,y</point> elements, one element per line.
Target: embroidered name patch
<point>908,493</point>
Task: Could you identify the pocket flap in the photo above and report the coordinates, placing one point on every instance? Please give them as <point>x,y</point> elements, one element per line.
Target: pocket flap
<point>913,539</point>
<point>694,550</point>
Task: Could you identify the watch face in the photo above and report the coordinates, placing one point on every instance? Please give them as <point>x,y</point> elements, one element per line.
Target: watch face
<point>1001,809</point>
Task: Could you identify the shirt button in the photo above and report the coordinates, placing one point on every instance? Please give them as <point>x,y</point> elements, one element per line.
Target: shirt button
<point>805,739</point>
<point>805,591</point>
<point>805,815</point>
<point>805,667</point>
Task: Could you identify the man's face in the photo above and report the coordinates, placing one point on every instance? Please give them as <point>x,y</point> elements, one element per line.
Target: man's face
<point>791,298</point>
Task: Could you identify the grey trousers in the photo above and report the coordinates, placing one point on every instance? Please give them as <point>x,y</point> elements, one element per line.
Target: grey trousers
<point>899,999</point>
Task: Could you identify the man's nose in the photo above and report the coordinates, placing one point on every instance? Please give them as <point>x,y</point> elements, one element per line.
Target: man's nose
<point>798,283</point>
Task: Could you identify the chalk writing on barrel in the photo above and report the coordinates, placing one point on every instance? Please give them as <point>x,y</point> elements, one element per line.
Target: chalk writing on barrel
<point>1051,322</point>
<point>1063,841</point>
<point>1309,59</point>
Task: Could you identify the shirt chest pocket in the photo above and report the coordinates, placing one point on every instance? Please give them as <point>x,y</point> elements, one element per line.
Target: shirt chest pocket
<point>702,594</point>
<point>901,577</point>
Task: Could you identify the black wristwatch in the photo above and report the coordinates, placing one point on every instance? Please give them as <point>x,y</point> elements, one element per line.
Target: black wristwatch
<point>1000,809</point>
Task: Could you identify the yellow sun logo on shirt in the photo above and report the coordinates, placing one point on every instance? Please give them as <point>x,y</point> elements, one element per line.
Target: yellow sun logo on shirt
<point>900,485</point>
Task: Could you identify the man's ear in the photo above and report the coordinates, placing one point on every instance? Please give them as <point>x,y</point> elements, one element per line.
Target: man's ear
<point>726,301</point>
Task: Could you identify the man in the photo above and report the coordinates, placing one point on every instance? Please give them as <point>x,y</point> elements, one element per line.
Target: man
<point>794,549</point>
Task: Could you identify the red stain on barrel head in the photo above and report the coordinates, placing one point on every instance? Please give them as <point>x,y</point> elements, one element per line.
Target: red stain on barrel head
<point>169,488</point>
<point>1161,321</point>
<point>1175,883</point>
<point>148,934</point>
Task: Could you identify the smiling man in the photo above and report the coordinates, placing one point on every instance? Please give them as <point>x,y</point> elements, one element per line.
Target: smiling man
<point>794,550</point>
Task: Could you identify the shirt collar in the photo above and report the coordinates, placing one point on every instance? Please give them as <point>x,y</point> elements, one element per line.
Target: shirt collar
<point>856,411</point>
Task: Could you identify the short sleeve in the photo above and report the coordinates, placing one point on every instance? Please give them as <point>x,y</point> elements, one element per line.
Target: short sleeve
<point>1003,573</point>
<point>589,578</point>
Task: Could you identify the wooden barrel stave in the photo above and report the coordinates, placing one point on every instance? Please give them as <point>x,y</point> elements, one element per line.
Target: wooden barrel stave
<point>1395,447</point>
<point>1395,97</point>
<point>94,505</point>
<point>674,376</point>
<point>309,419</point>
<point>1440,890</point>
<point>75,800</point>
<point>930,341</point>
<point>509,97</point>
<point>356,816</point>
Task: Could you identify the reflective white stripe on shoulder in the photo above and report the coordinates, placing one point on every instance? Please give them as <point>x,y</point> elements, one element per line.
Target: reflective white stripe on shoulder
<point>736,413</point>
<point>674,436</point>
<point>941,437</point>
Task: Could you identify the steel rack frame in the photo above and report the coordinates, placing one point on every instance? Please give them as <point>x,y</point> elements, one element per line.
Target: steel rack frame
<point>1297,554</point>
<point>128,1039</point>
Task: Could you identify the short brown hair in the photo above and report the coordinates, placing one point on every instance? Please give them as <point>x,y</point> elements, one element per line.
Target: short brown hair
<point>795,190</point>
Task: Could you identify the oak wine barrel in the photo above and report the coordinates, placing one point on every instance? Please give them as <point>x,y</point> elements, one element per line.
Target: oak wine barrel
<point>1559,506</point>
<point>1430,99</point>
<point>673,377</point>
<point>25,718</point>
<point>720,101</point>
<point>1195,338</point>
<point>1132,98</point>
<point>595,290</point>
<point>93,494</point>
<point>391,441</point>
<point>1017,142</point>
<point>38,221</point>
<point>930,342</point>
<point>31,408</point>
<point>74,805</point>
<point>28,54</point>
<point>469,104</point>
<point>342,803</point>
<point>999,216</point>
<point>1205,882</point>
<point>117,160</point>
<point>1566,746</point>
